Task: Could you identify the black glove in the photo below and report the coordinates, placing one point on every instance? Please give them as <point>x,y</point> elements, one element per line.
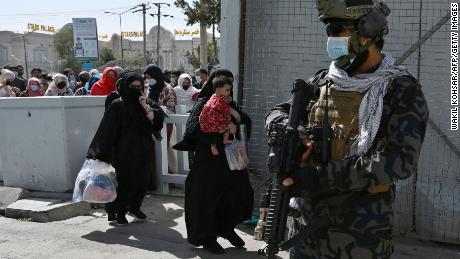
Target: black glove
<point>306,180</point>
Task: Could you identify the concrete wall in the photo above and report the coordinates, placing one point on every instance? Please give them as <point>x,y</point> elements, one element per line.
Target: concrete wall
<point>1,169</point>
<point>285,40</point>
<point>48,138</point>
<point>230,38</point>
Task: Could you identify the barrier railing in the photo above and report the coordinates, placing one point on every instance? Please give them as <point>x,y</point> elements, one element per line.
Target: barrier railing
<point>163,151</point>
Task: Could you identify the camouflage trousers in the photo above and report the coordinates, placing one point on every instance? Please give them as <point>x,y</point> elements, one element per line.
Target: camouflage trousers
<point>360,226</point>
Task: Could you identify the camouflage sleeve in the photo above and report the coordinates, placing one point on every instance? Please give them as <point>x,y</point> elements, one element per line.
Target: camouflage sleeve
<point>404,132</point>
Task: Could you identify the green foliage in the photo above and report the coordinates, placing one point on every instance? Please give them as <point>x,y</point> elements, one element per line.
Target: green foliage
<point>209,14</point>
<point>213,57</point>
<point>194,57</point>
<point>63,43</point>
<point>135,63</point>
<point>106,55</point>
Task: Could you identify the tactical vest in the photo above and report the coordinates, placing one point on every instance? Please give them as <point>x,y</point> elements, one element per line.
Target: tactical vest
<point>343,113</point>
<point>343,117</point>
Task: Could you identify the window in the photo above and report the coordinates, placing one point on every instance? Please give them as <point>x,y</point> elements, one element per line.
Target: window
<point>39,53</point>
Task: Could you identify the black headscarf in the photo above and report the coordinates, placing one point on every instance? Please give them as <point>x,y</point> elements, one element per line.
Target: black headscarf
<point>193,123</point>
<point>129,95</point>
<point>208,89</point>
<point>155,73</point>
<point>121,79</point>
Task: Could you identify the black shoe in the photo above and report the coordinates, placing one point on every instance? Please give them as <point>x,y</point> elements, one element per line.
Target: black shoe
<point>121,220</point>
<point>214,247</point>
<point>138,213</point>
<point>234,239</point>
<point>111,216</point>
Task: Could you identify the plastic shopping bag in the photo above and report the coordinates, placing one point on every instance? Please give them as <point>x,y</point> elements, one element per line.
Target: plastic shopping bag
<point>236,154</point>
<point>96,183</point>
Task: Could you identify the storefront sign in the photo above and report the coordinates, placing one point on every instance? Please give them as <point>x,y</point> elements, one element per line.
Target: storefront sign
<point>39,27</point>
<point>186,33</point>
<point>132,34</point>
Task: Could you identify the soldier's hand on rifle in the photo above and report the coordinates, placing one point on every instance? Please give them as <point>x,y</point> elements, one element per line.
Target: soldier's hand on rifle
<point>309,145</point>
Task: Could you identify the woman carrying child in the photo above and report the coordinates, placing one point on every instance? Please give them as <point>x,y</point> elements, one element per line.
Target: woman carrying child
<point>217,199</point>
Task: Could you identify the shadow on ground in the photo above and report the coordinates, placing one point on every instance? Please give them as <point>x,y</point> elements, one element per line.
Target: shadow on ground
<point>158,233</point>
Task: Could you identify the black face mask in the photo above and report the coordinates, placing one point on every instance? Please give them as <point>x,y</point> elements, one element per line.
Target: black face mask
<point>8,83</point>
<point>132,95</point>
<point>61,85</point>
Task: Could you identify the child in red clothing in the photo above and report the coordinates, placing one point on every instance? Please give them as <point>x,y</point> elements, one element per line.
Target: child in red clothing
<point>216,114</point>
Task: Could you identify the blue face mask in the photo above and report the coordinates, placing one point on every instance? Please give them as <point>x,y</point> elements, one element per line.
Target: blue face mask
<point>198,79</point>
<point>337,47</point>
<point>152,82</point>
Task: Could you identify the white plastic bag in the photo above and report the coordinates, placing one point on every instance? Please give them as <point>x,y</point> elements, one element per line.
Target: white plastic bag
<point>236,154</point>
<point>96,183</point>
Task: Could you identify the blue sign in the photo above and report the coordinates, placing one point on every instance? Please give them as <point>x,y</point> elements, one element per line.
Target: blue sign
<point>87,66</point>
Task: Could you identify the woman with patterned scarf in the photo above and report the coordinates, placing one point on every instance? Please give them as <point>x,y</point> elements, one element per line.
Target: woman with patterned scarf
<point>33,88</point>
<point>59,87</point>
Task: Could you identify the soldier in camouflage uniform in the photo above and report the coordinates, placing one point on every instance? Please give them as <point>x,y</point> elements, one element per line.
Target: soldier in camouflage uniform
<point>357,191</point>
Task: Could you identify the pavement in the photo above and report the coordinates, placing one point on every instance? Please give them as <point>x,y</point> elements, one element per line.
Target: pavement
<point>162,235</point>
<point>9,195</point>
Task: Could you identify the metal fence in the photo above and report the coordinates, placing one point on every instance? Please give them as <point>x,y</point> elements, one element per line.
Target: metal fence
<point>284,40</point>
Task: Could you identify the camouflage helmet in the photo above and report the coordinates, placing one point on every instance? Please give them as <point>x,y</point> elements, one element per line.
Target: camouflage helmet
<point>343,9</point>
<point>368,16</point>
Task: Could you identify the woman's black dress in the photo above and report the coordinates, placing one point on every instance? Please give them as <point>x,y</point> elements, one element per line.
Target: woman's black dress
<point>216,198</point>
<point>124,139</point>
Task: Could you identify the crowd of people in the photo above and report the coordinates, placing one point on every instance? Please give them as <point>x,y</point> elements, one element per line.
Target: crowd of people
<point>179,88</point>
<point>217,198</point>
<point>365,119</point>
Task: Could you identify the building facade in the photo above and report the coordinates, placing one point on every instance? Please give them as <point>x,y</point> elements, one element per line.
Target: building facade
<point>173,52</point>
<point>41,53</point>
<point>39,50</point>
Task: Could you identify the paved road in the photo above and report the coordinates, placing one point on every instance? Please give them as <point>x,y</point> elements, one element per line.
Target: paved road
<point>162,236</point>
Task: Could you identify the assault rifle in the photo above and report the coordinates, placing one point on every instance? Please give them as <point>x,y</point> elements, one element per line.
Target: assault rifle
<point>291,153</point>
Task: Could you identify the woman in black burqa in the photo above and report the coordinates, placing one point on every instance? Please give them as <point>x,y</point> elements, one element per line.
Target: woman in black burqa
<point>124,139</point>
<point>216,198</point>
